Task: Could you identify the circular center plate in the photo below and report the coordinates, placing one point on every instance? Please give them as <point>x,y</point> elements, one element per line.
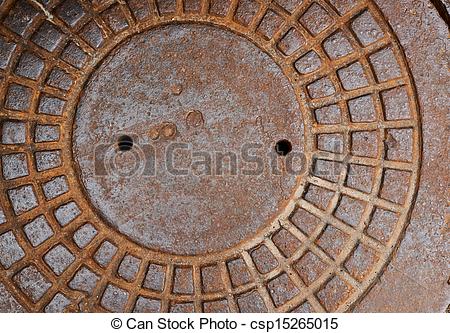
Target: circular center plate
<point>205,109</point>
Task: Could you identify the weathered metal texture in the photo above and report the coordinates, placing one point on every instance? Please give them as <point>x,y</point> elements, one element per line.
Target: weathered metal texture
<point>331,77</point>
<point>133,92</point>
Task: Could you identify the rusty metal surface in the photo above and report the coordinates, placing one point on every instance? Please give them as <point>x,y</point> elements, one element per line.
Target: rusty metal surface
<point>343,84</point>
<point>191,59</point>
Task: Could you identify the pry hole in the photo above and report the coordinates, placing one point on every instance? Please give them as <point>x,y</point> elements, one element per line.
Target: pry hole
<point>283,147</point>
<point>125,143</point>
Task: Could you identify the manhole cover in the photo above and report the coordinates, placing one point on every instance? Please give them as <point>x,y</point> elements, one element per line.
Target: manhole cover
<point>201,155</point>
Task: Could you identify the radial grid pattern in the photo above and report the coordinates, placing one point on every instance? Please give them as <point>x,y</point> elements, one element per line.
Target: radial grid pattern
<point>322,253</point>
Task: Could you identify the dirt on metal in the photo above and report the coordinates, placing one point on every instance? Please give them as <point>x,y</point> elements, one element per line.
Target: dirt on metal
<point>223,156</point>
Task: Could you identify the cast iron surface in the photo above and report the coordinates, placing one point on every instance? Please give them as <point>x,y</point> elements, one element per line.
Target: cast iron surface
<point>328,76</point>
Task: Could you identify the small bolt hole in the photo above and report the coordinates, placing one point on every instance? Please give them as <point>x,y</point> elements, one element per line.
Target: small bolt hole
<point>283,147</point>
<point>125,143</point>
